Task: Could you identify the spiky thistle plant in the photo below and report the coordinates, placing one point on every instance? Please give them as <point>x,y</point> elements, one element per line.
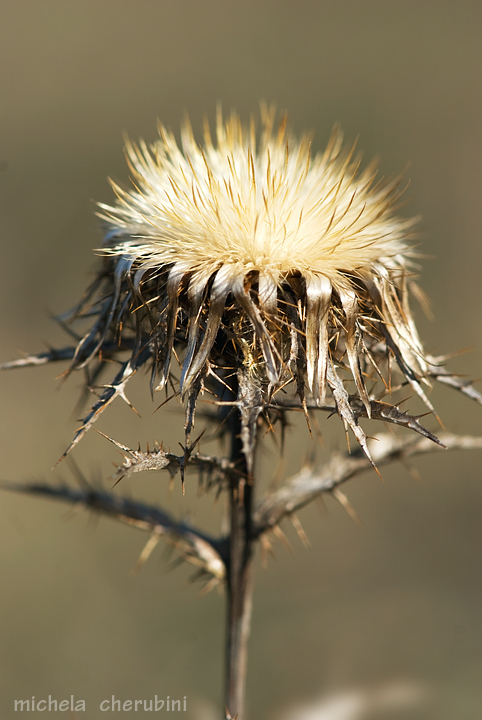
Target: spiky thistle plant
<point>250,253</point>
<point>274,279</point>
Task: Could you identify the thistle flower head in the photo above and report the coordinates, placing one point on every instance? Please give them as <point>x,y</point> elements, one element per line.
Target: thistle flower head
<point>267,207</point>
<point>250,252</point>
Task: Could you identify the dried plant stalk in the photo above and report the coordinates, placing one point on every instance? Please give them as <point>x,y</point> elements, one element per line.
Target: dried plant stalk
<point>277,281</point>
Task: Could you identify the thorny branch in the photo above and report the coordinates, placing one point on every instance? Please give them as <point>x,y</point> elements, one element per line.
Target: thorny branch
<point>195,546</point>
<point>54,355</point>
<point>158,459</point>
<point>58,354</point>
<point>208,553</point>
<point>311,482</point>
<point>463,385</point>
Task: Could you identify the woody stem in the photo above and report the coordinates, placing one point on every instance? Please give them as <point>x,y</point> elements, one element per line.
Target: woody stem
<point>239,576</point>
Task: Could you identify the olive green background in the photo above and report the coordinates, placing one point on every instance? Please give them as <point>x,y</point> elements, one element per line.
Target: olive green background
<point>398,596</point>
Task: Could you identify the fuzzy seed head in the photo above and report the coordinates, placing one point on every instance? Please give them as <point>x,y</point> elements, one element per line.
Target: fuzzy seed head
<point>262,205</point>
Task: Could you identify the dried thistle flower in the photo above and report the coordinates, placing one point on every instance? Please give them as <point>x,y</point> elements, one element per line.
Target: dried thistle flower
<point>255,267</point>
<point>248,252</point>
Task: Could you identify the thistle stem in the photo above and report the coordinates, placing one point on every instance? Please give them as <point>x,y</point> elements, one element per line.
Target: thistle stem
<point>239,576</point>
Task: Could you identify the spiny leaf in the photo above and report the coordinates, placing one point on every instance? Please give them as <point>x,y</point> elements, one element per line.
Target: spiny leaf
<point>116,389</point>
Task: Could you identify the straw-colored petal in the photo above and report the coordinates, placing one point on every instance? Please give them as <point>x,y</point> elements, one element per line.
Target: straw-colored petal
<point>196,292</point>
<point>174,280</point>
<point>318,302</point>
<point>350,307</point>
<point>261,332</point>
<point>217,299</point>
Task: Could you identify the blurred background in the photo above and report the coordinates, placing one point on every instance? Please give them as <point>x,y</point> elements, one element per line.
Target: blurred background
<point>396,597</point>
